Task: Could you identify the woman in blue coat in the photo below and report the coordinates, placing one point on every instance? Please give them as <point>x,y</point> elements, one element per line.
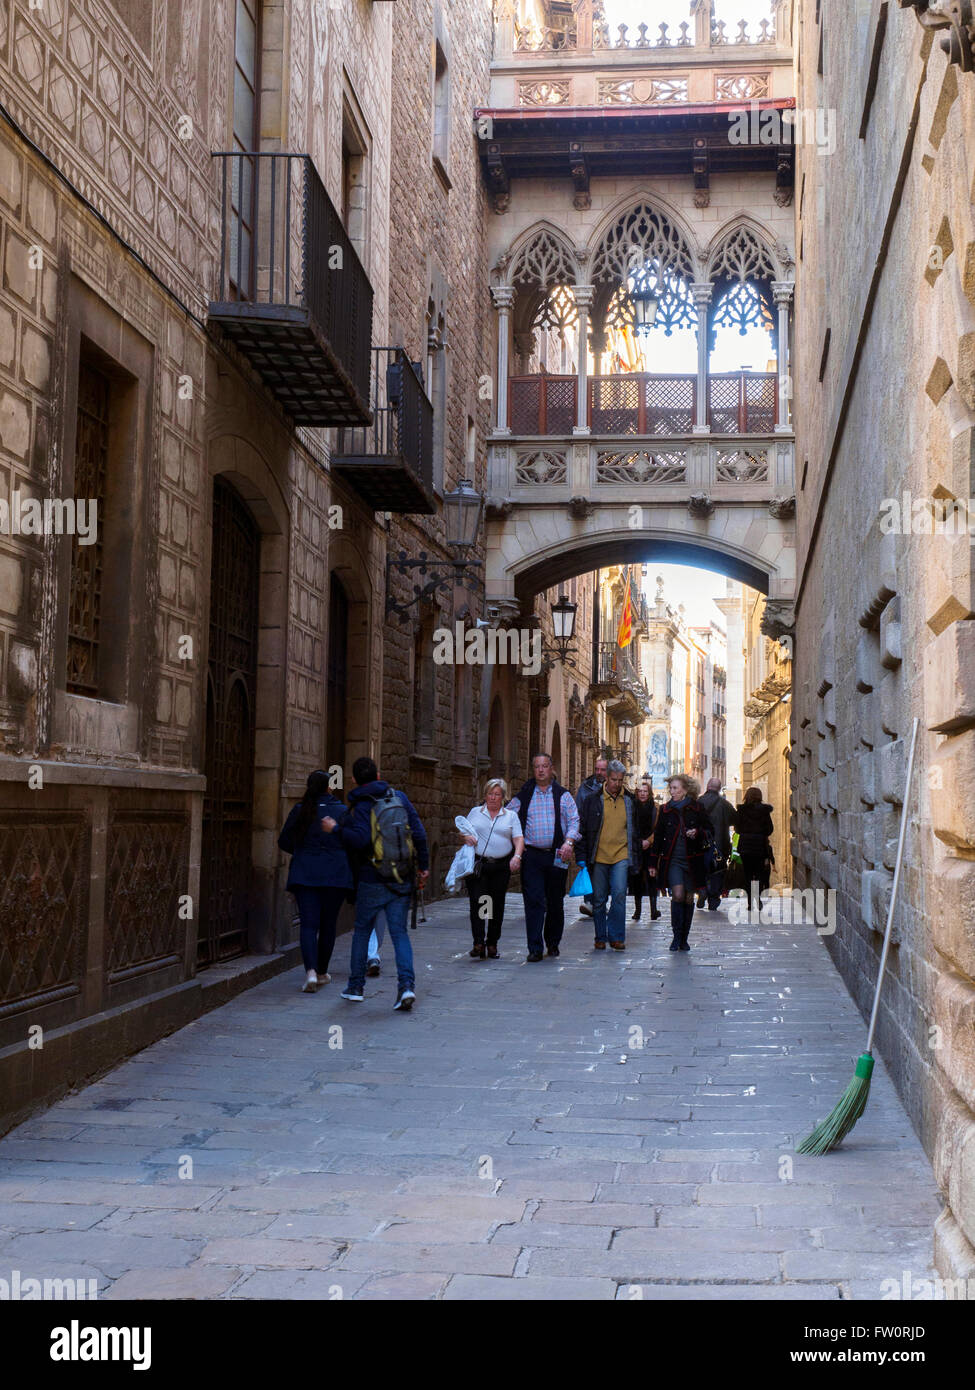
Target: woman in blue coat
<point>320,876</point>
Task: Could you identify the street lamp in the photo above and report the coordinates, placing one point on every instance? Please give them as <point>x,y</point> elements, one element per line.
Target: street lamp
<point>462,513</point>
<point>462,518</point>
<point>645,302</point>
<point>625,730</point>
<point>563,623</point>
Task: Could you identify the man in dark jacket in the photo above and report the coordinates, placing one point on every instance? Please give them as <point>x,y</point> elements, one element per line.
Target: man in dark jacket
<point>607,845</point>
<point>595,783</point>
<point>375,893</point>
<point>721,814</point>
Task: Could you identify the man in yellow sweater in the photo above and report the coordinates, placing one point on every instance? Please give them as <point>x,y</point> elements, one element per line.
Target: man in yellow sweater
<point>607,847</point>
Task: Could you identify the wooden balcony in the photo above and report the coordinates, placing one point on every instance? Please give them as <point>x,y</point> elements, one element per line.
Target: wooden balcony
<point>644,404</point>
<point>292,294</point>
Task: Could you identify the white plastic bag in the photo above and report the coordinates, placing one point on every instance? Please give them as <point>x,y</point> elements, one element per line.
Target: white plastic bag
<point>463,864</point>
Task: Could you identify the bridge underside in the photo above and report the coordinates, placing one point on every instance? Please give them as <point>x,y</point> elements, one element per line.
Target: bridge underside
<point>535,548</point>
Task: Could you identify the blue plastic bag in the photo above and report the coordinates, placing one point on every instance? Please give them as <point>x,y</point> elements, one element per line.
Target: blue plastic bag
<point>581,884</point>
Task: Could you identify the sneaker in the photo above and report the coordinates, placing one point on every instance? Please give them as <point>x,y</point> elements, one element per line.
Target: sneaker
<point>373,965</point>
<point>354,996</point>
<point>404,1000</point>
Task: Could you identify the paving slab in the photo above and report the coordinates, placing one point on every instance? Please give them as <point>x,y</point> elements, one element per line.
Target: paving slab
<point>491,1145</point>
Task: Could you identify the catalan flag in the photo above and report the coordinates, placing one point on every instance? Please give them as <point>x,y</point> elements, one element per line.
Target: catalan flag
<point>625,635</point>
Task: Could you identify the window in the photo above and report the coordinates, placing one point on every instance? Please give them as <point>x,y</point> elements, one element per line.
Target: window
<point>435,382</point>
<point>87,561</point>
<point>441,110</point>
<point>355,181</point>
<point>99,581</point>
<point>246,139</point>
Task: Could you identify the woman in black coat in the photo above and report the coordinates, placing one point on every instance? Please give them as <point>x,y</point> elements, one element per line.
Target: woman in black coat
<point>681,853</point>
<point>320,876</point>
<point>754,825</point>
<point>645,819</point>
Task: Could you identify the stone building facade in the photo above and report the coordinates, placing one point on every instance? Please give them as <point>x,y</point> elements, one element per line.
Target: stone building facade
<point>885,610</point>
<point>165,690</point>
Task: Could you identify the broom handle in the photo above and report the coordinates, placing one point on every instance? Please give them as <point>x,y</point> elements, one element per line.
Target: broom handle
<point>893,891</point>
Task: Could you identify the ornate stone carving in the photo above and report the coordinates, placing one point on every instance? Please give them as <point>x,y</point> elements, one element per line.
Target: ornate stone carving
<point>641,91</point>
<point>779,619</point>
<point>641,466</point>
<point>782,508</point>
<point>700,506</point>
<point>545,92</point>
<point>580,507</point>
<point>498,509</point>
<point>956,15</point>
<point>742,466</point>
<point>538,466</point>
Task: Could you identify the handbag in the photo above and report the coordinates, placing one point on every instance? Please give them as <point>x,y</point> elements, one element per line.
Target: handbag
<point>480,858</point>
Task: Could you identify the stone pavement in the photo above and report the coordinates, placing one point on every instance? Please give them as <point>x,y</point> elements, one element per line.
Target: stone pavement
<point>507,1139</point>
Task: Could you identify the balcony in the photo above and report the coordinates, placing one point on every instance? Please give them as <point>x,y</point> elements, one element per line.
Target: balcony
<point>292,294</point>
<point>619,682</point>
<point>645,404</point>
<point>389,463</point>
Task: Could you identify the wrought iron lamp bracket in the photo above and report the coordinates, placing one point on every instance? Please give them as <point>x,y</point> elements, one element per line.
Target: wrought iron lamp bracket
<point>444,574</point>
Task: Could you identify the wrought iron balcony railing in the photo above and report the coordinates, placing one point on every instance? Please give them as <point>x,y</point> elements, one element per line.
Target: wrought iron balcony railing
<point>644,404</point>
<point>390,462</point>
<point>292,293</point>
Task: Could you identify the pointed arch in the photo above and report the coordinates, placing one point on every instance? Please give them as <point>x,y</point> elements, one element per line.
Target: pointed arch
<point>649,221</point>
<point>541,256</point>
<point>645,240</point>
<point>742,267</point>
<point>743,246</point>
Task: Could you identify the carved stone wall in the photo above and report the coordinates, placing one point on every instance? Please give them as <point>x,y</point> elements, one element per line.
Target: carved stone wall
<point>885,608</point>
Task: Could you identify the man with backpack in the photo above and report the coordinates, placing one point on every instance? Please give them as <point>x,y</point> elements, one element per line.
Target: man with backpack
<point>388,848</point>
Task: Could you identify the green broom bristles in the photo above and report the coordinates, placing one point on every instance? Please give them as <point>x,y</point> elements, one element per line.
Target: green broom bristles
<point>844,1115</point>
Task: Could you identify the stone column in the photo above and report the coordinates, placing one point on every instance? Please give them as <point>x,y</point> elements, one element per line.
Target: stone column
<point>782,292</point>
<point>503,297</point>
<point>583,298</point>
<point>702,299</point>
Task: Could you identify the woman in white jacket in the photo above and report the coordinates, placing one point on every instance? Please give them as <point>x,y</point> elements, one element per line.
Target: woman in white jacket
<point>498,846</point>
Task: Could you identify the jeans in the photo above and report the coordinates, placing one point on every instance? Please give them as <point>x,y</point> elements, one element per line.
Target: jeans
<point>609,881</point>
<point>318,909</point>
<point>543,892</point>
<point>492,883</point>
<point>371,900</point>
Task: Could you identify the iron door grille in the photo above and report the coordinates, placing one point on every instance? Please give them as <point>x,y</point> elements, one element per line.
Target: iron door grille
<point>231,697</point>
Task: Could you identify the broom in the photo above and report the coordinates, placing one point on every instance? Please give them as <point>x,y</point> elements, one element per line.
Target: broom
<point>851,1105</point>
